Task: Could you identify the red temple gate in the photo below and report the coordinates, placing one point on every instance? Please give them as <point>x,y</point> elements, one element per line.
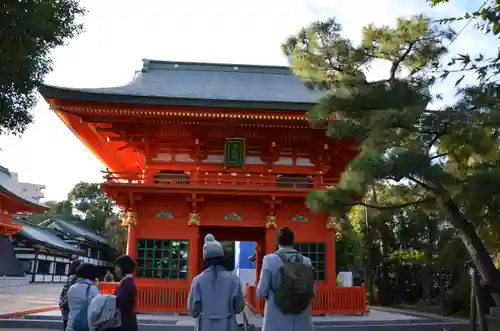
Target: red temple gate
<point>194,148</point>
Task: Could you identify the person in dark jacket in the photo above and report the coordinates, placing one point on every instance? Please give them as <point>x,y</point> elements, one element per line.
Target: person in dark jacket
<point>63,297</point>
<point>127,292</point>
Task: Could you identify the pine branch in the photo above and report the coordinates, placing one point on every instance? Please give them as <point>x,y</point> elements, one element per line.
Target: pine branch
<point>437,136</point>
<point>397,62</point>
<point>437,156</point>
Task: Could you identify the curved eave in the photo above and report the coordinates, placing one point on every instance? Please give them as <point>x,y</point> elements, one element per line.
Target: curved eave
<point>30,205</point>
<point>94,142</point>
<point>59,93</point>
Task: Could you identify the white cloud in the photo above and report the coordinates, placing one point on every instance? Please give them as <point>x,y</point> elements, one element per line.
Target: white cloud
<point>119,33</point>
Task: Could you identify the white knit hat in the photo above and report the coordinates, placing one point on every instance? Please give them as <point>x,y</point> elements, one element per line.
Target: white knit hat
<point>212,248</point>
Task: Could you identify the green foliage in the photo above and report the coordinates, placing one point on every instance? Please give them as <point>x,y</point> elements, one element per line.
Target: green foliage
<point>487,20</point>
<point>56,208</point>
<point>440,164</point>
<point>30,30</point>
<point>116,234</point>
<point>91,204</point>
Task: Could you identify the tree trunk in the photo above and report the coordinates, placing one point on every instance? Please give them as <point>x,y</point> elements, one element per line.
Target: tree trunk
<point>478,252</point>
<point>428,271</point>
<point>427,277</point>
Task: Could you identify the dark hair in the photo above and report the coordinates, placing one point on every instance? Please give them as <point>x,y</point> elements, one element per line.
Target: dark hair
<point>74,266</point>
<point>87,271</point>
<point>126,264</point>
<point>215,261</point>
<point>286,237</point>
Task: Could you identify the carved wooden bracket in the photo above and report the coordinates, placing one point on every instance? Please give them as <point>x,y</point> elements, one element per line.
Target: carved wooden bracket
<point>129,218</point>
<point>271,222</point>
<point>194,202</point>
<point>273,205</point>
<point>334,224</point>
<point>194,219</point>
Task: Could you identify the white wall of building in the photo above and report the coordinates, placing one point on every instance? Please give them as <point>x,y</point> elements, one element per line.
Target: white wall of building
<point>34,191</point>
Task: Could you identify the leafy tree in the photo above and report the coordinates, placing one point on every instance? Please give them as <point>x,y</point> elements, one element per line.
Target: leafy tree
<point>30,30</point>
<point>56,208</point>
<point>91,204</point>
<point>441,158</point>
<point>116,234</point>
<point>486,19</point>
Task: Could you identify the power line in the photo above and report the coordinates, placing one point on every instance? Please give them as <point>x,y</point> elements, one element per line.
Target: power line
<point>465,25</point>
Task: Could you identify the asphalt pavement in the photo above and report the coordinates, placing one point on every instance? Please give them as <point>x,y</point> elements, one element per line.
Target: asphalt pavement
<point>32,296</point>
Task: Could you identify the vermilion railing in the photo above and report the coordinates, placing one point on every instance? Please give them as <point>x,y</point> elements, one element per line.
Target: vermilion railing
<point>173,299</point>
<point>334,300</point>
<point>223,179</point>
<point>156,299</point>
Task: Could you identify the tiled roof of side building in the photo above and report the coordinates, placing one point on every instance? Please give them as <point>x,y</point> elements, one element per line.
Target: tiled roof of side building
<point>72,229</point>
<point>201,84</point>
<point>45,236</point>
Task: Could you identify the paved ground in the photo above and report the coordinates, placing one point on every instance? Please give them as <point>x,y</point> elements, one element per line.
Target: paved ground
<point>27,297</point>
<point>35,296</point>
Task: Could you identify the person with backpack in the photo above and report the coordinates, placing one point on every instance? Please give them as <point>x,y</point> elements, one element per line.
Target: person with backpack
<point>216,295</point>
<point>80,296</point>
<point>287,284</point>
<point>63,297</point>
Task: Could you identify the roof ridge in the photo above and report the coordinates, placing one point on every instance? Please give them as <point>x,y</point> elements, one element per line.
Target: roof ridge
<point>150,64</point>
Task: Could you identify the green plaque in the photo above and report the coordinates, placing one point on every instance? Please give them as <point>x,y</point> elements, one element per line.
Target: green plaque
<point>234,153</point>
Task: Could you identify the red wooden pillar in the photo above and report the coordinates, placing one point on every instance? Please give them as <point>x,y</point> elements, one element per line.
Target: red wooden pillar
<point>258,261</point>
<point>131,241</point>
<point>194,252</point>
<point>270,240</point>
<point>331,272</point>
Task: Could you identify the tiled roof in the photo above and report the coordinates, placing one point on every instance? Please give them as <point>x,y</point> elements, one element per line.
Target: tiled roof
<point>45,236</point>
<point>187,83</point>
<point>72,229</point>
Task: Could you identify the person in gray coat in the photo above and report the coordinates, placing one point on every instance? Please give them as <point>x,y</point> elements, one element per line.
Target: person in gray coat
<point>216,296</point>
<point>63,297</point>
<point>82,292</point>
<point>274,319</point>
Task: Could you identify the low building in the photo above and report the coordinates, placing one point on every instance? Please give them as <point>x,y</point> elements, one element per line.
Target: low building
<point>95,247</point>
<point>13,201</point>
<point>45,251</point>
<point>44,256</point>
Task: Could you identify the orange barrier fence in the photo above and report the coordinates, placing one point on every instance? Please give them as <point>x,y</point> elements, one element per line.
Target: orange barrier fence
<point>334,300</point>
<point>156,299</point>
<point>173,299</point>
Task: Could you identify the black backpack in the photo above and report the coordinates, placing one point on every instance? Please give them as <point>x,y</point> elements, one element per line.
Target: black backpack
<point>296,285</point>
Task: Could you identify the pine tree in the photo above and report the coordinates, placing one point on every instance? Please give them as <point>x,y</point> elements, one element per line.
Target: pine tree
<point>440,158</point>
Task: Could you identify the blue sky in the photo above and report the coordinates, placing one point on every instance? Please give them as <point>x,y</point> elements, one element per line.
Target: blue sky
<point>119,33</point>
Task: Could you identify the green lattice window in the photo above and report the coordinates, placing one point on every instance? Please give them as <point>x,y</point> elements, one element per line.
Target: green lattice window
<point>166,259</point>
<point>317,253</point>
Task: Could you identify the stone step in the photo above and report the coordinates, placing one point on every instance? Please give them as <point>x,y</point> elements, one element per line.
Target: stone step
<point>173,325</point>
<point>316,323</point>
